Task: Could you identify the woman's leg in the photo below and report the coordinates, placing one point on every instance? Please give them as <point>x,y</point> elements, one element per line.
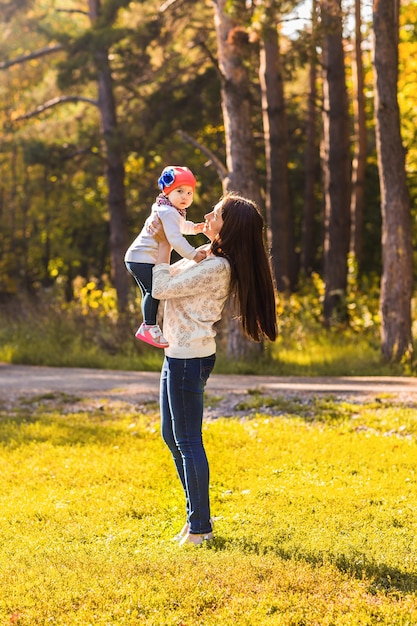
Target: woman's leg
<point>183,382</point>
<point>142,273</point>
<point>167,426</point>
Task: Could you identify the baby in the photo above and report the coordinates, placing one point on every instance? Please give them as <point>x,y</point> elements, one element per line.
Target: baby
<point>177,185</point>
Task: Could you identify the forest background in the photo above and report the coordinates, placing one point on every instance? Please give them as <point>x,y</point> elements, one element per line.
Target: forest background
<point>314,118</point>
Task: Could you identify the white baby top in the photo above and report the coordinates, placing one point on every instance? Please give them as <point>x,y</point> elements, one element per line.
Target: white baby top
<point>144,248</point>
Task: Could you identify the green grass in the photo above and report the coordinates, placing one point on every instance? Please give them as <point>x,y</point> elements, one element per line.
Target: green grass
<point>315,507</point>
<point>54,338</point>
<point>89,332</point>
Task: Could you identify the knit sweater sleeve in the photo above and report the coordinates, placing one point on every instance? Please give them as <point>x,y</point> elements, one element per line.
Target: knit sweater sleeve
<point>171,221</point>
<point>209,276</point>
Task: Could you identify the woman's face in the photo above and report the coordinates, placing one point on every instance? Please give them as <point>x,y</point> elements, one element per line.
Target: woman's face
<point>213,222</point>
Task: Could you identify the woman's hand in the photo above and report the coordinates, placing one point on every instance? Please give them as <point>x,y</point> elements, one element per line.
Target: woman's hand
<point>156,229</point>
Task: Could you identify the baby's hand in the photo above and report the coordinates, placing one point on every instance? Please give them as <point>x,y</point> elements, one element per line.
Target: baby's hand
<point>198,228</point>
<point>200,256</point>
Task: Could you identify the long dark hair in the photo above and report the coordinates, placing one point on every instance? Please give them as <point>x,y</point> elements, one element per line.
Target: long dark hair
<point>241,242</point>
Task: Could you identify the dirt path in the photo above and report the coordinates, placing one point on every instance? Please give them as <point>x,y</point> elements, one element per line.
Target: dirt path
<point>17,381</point>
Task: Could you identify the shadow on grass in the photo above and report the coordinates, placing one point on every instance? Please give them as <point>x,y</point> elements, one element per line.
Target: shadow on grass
<point>381,577</point>
<point>35,420</point>
<point>21,431</point>
<point>327,408</point>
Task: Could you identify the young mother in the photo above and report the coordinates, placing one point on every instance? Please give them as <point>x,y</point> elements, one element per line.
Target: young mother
<point>195,294</point>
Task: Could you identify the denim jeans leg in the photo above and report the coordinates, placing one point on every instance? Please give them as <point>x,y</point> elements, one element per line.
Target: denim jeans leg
<point>182,391</point>
<point>167,427</point>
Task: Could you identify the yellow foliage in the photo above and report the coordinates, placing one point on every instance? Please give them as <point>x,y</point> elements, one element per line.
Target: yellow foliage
<point>92,298</point>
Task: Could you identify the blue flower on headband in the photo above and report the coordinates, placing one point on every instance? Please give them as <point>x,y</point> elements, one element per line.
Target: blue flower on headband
<point>166,179</point>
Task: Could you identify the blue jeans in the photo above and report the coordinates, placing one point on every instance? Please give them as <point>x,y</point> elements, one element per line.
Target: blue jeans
<point>142,273</point>
<point>181,401</point>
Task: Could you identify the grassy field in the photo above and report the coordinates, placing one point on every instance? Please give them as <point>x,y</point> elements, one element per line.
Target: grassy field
<point>314,502</point>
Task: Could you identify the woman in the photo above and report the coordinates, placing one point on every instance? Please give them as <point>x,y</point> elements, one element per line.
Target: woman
<point>236,263</point>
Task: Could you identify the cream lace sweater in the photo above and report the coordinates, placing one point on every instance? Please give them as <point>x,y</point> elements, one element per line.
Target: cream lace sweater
<point>194,294</point>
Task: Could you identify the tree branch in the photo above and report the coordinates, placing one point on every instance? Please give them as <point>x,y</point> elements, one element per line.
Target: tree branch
<point>29,57</point>
<point>211,56</point>
<point>79,11</point>
<point>220,168</point>
<point>166,5</point>
<point>54,102</point>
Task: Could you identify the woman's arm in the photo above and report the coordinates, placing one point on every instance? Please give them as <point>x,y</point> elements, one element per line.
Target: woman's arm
<point>212,277</point>
<point>164,252</point>
<point>156,229</point>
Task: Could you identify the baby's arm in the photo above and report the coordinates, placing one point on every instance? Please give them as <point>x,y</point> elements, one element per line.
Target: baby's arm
<point>171,221</point>
<point>191,228</point>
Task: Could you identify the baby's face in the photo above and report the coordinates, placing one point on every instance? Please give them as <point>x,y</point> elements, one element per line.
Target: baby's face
<point>181,197</point>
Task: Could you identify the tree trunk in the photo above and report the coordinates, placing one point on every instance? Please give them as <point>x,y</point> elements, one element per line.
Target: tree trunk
<point>335,162</point>
<point>115,170</point>
<point>240,154</point>
<point>397,263</point>
<point>26,202</point>
<point>232,42</point>
<point>359,160</point>
<point>278,198</point>
<point>311,156</point>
